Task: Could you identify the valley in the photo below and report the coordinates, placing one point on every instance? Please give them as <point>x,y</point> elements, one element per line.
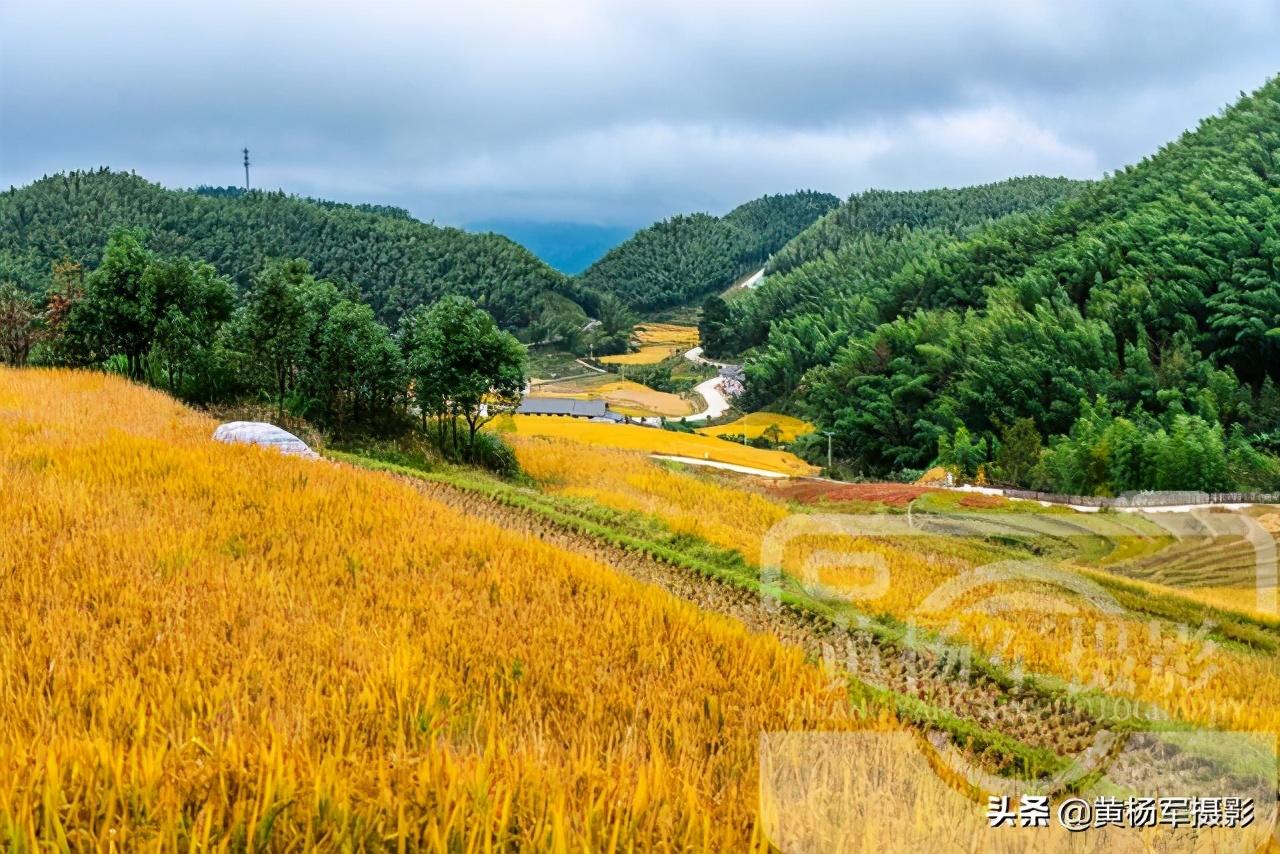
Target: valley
<point>813,524</point>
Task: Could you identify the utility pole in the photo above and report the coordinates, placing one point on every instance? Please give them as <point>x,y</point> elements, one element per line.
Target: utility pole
<point>246,169</point>
<point>828,434</point>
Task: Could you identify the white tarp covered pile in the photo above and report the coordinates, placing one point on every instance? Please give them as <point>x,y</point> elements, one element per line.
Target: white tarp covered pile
<point>266,435</point>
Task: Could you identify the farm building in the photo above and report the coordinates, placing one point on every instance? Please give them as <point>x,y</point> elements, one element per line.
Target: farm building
<point>566,406</point>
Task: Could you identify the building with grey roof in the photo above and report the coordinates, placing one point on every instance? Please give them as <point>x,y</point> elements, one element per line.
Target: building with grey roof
<point>563,406</point>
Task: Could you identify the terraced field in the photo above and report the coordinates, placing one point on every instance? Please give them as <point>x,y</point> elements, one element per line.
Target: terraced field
<point>1007,721</point>
<point>215,646</point>
<point>755,424</point>
<point>211,646</point>
<point>623,396</point>
<point>656,342</point>
<point>652,440</point>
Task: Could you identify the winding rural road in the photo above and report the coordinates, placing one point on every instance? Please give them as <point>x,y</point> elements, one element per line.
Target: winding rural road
<point>717,403</point>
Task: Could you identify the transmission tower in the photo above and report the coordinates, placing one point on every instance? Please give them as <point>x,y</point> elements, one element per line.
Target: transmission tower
<point>246,169</point>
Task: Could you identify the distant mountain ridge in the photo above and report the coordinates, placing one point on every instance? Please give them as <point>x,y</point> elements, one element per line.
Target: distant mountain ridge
<point>398,262</point>
<point>687,257</point>
<point>1121,335</point>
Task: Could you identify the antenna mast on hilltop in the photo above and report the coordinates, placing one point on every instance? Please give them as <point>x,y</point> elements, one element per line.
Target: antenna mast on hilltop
<point>246,169</point>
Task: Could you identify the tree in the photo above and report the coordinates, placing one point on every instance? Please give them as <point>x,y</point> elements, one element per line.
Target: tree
<point>462,365</point>
<point>613,334</point>
<point>117,316</point>
<point>961,452</point>
<point>192,302</point>
<point>18,324</point>
<point>715,327</point>
<point>1019,452</point>
<point>276,323</point>
<point>357,374</point>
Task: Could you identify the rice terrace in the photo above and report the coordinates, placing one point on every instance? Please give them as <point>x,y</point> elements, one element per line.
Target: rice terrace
<point>556,476</point>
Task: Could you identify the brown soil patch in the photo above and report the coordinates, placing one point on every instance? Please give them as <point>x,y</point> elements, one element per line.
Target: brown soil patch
<point>814,491</point>
<point>982,502</point>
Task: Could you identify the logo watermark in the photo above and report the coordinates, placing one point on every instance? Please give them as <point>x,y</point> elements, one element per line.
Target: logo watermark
<point>1014,622</point>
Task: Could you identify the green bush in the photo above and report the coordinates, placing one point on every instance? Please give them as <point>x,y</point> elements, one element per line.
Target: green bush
<point>492,453</point>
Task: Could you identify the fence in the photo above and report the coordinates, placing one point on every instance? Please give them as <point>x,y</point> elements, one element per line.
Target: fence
<point>1148,499</point>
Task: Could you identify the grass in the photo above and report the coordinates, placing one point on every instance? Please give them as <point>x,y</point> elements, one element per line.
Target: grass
<point>207,645</point>
<point>656,342</point>
<point>756,423</point>
<point>643,533</point>
<point>652,441</point>
<point>547,363</point>
<point>623,396</point>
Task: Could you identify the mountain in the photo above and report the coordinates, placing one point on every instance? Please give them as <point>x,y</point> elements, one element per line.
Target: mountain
<point>1134,328</point>
<point>818,287</point>
<point>952,210</point>
<point>569,247</point>
<point>684,258</point>
<point>396,261</point>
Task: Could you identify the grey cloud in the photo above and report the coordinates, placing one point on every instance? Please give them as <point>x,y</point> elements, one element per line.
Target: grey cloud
<point>612,111</point>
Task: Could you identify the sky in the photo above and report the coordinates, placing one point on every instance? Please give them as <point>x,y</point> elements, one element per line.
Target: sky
<point>612,113</point>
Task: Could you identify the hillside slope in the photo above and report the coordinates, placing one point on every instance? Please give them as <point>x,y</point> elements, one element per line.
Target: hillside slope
<point>397,261</point>
<point>818,286</point>
<point>237,645</point>
<point>1136,320</point>
<point>686,257</point>
<point>953,210</point>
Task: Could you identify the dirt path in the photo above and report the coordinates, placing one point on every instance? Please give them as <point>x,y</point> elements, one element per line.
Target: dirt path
<point>716,464</point>
<point>1031,718</point>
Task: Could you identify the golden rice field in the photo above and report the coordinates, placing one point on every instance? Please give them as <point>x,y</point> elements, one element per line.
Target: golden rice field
<point>206,645</point>
<point>754,425</point>
<point>1049,628</point>
<point>654,441</point>
<point>656,342</point>
<point>209,646</point>
<point>623,396</point>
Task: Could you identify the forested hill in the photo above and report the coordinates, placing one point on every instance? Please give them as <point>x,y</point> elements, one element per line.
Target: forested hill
<point>828,281</point>
<point>953,210</point>
<point>686,257</point>
<point>397,262</point>
<point>1127,338</point>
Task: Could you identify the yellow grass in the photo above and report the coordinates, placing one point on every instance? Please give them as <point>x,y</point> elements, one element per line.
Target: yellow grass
<point>623,396</point>
<point>656,342</point>
<point>653,440</point>
<point>208,645</point>
<point>625,480</point>
<point>1244,600</point>
<point>756,423</point>
<point>1046,626</point>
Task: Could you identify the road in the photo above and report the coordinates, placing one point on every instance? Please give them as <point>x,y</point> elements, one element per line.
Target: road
<point>695,355</point>
<point>717,403</point>
<point>694,461</point>
<point>756,278</point>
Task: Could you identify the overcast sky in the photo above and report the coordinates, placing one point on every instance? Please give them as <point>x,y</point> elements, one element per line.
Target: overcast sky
<point>612,112</point>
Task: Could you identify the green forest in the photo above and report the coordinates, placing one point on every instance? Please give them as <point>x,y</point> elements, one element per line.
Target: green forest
<point>1102,337</point>
<point>309,346</point>
<point>1091,337</point>
<point>682,259</point>
<point>396,261</point>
